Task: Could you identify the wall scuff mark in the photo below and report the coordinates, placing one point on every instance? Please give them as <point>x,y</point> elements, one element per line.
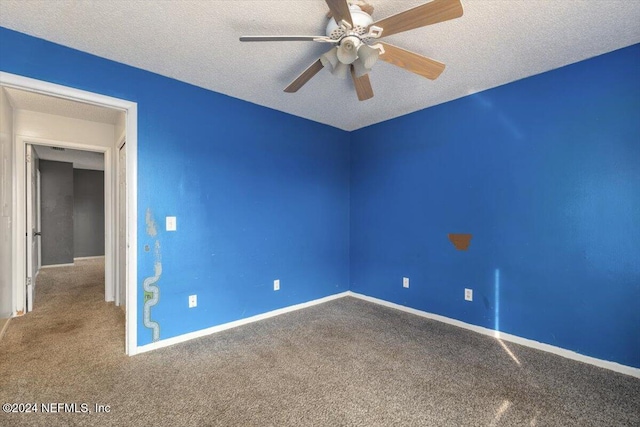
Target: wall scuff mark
<point>151,224</point>
<point>460,241</point>
<point>151,290</point>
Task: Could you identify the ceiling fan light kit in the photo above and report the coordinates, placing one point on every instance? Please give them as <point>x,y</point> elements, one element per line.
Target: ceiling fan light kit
<point>341,71</point>
<point>330,58</point>
<point>348,49</point>
<point>370,54</point>
<point>351,30</point>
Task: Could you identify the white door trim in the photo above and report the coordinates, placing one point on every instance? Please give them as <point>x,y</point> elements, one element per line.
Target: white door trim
<point>18,230</point>
<point>29,226</point>
<point>116,291</point>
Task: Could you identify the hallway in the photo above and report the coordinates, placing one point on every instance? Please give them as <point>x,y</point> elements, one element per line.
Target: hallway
<point>71,334</point>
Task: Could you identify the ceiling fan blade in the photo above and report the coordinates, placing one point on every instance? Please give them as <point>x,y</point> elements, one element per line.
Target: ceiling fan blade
<point>281,38</point>
<point>418,64</point>
<point>363,86</point>
<point>340,10</point>
<point>304,77</point>
<point>420,16</point>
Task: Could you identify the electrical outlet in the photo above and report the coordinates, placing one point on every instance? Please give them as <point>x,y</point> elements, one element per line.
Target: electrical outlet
<point>193,301</point>
<point>276,285</point>
<point>468,294</point>
<point>171,223</point>
<point>405,282</point>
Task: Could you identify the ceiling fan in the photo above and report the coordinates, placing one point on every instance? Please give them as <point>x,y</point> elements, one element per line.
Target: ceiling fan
<point>354,37</point>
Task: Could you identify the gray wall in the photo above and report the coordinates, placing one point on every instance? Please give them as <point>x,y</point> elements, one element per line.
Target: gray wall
<point>88,213</point>
<point>56,212</point>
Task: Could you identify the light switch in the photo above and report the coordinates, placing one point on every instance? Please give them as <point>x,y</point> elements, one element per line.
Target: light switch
<point>171,223</point>
<point>468,294</point>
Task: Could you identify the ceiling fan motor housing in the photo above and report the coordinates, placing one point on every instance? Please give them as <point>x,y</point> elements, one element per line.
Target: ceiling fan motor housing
<point>361,21</point>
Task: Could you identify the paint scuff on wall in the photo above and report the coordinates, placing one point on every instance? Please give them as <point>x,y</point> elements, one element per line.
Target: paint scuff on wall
<point>151,289</point>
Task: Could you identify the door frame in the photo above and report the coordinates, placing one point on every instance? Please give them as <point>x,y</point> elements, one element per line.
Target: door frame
<point>30,169</point>
<point>111,202</point>
<point>120,142</point>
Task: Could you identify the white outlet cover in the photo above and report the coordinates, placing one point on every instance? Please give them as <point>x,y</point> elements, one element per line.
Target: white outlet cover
<point>276,285</point>
<point>193,301</point>
<point>171,223</point>
<point>468,294</point>
<point>405,282</point>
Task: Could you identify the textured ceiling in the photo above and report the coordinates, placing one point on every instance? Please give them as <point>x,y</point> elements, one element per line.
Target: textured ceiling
<point>493,43</point>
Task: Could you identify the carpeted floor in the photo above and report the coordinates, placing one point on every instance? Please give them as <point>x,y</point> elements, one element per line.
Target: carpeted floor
<point>343,363</point>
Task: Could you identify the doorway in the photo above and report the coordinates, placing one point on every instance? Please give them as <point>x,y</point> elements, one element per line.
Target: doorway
<point>115,271</point>
<point>65,209</point>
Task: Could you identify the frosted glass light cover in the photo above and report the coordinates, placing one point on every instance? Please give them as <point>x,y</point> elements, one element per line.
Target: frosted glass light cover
<point>330,58</point>
<point>341,70</point>
<point>369,55</point>
<point>359,68</point>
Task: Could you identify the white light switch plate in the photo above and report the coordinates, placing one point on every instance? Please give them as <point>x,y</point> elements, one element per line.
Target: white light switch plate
<point>171,223</point>
<point>276,285</point>
<point>405,282</point>
<point>193,301</point>
<point>468,294</point>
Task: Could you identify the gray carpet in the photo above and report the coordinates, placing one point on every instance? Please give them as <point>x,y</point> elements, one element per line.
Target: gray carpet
<point>343,363</point>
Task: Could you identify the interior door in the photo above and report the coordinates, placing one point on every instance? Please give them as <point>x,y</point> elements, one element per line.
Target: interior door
<point>31,221</point>
<point>38,236</point>
<point>121,294</point>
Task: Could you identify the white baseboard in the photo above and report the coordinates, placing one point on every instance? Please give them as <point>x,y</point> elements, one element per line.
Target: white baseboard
<point>569,354</point>
<point>614,366</point>
<point>82,258</point>
<point>219,328</point>
<point>57,265</point>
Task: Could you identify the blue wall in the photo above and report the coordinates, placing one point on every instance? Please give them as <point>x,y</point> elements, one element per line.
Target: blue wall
<point>545,173</point>
<point>258,194</point>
